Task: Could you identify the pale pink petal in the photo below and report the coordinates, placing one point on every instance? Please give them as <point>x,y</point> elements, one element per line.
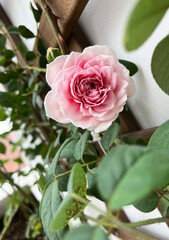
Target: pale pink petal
<point>100,61</point>
<point>100,50</point>
<point>52,109</point>
<point>54,68</point>
<point>103,126</point>
<point>71,60</point>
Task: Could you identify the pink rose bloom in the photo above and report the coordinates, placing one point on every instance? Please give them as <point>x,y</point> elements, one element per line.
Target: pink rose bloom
<point>88,89</point>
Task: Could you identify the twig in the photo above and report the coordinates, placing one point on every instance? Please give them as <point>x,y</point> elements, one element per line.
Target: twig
<point>53,25</point>
<point>8,222</point>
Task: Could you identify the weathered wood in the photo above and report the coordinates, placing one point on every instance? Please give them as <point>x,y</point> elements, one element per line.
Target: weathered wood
<point>128,122</point>
<point>144,134</point>
<point>68,12</point>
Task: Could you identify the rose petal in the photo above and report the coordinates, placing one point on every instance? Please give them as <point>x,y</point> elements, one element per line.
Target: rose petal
<point>54,68</point>
<point>103,126</point>
<point>100,50</point>
<point>52,109</point>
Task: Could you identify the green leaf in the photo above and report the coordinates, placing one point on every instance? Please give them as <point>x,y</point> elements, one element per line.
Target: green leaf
<point>18,160</point>
<point>2,148</point>
<point>36,13</point>
<point>4,77</point>
<point>9,54</point>
<point>42,62</point>
<point>86,232</point>
<point>160,66</point>
<point>147,204</point>
<point>13,85</point>
<point>113,167</point>
<point>25,32</point>
<point>2,41</point>
<point>53,165</point>
<point>41,46</point>
<point>128,140</point>
<point>30,56</point>
<point>50,203</point>
<point>92,184</point>
<point>164,205</point>
<point>71,207</point>
<point>141,179</point>
<point>3,115</point>
<point>77,181</point>
<point>22,47</point>
<point>80,146</point>
<point>143,20</point>
<point>133,69</point>
<point>6,99</point>
<point>13,30</point>
<point>110,136</point>
<point>160,138</point>
<point>69,149</point>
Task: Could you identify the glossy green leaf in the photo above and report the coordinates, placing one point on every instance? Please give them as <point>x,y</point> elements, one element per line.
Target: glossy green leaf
<point>42,62</point>
<point>141,179</point>
<point>2,148</point>
<point>51,200</point>
<point>80,146</point>
<point>160,138</point>
<point>147,204</point>
<point>113,167</point>
<point>22,48</point>
<point>160,66</point>
<point>13,30</point>
<point>86,232</point>
<point>71,207</point>
<point>110,136</point>
<point>133,69</point>
<point>41,46</point>
<point>9,54</point>
<point>6,99</point>
<point>36,13</point>
<point>2,41</point>
<point>143,20</point>
<point>30,56</point>
<point>25,32</point>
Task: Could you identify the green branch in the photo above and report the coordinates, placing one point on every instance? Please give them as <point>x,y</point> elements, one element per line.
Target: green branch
<point>53,25</point>
<point>148,222</point>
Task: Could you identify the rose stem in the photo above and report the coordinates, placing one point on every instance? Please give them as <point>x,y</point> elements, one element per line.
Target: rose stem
<point>53,25</point>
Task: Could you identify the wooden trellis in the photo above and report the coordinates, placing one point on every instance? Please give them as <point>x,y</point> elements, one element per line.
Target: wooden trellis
<point>67,13</point>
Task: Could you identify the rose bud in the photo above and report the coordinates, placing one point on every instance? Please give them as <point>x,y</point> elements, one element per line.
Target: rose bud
<point>88,89</point>
<point>52,53</point>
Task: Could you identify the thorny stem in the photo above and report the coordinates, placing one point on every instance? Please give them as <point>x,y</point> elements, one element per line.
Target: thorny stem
<point>148,222</point>
<point>53,25</point>
<point>35,68</point>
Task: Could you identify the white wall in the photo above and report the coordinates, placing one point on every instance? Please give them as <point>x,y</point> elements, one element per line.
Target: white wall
<point>103,22</point>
